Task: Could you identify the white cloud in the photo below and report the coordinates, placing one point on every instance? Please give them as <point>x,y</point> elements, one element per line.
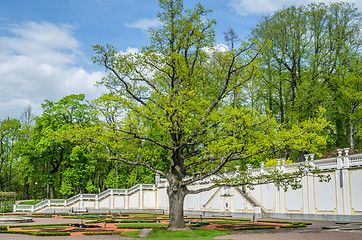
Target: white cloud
<point>245,7</point>
<point>130,50</point>
<point>144,23</point>
<point>38,61</point>
<point>217,48</point>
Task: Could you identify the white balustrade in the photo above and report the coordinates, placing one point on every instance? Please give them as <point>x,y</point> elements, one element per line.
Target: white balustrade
<point>340,162</point>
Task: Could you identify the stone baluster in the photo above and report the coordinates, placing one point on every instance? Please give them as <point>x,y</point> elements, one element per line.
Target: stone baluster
<point>157,178</point>
<point>311,159</point>
<point>278,165</point>
<point>237,170</point>
<point>346,158</point>
<point>262,167</point>
<point>283,165</point>
<point>249,166</point>
<point>339,159</point>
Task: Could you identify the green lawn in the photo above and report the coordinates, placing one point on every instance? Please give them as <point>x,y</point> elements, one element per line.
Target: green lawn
<point>56,226</point>
<point>29,202</point>
<point>141,225</point>
<point>199,234</point>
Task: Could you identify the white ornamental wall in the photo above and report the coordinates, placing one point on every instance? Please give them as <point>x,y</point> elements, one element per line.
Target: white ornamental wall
<point>342,195</point>
<point>355,179</point>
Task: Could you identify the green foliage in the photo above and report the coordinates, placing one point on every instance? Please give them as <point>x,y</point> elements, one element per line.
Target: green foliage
<point>7,200</point>
<point>311,54</point>
<point>274,162</point>
<point>9,129</point>
<point>53,155</point>
<point>3,228</point>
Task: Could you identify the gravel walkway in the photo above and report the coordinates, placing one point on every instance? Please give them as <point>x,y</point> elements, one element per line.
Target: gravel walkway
<point>312,232</point>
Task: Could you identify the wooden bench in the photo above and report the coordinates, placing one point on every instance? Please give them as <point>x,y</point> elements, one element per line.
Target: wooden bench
<point>78,210</point>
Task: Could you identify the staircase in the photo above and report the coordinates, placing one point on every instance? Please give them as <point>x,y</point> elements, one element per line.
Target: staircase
<point>67,203</point>
<point>253,202</point>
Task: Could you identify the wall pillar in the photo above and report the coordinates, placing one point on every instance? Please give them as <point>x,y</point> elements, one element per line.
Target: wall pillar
<point>141,197</point>
<point>346,183</point>
<point>111,200</point>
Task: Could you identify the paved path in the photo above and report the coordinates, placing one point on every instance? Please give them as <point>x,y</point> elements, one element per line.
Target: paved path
<point>311,232</point>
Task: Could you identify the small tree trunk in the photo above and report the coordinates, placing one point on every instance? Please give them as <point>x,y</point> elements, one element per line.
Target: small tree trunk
<point>52,192</point>
<point>26,189</point>
<point>351,134</point>
<point>301,156</point>
<point>176,196</point>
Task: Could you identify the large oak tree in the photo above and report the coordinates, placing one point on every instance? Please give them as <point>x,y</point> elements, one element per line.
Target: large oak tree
<point>172,110</point>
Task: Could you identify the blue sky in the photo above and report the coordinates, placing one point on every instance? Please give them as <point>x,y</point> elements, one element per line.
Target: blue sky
<point>46,45</point>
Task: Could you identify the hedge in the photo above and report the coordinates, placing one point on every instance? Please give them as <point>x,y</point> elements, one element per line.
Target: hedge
<point>37,233</point>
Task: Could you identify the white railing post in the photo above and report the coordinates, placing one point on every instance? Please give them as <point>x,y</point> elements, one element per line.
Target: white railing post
<point>283,165</point>
<point>346,158</point>
<point>112,199</point>
<point>141,196</point>
<point>262,167</point>
<point>278,165</point>
<point>339,159</point>
<point>157,178</point>
<point>249,166</point>
<point>311,162</point>
<point>97,201</point>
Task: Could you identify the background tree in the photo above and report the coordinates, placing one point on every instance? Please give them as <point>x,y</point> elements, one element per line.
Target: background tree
<point>8,134</point>
<point>56,159</point>
<point>308,47</point>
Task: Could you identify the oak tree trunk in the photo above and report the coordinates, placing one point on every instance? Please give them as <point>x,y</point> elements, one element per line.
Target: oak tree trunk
<point>176,195</point>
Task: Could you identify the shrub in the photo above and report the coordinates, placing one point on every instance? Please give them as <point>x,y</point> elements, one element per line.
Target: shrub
<point>6,201</point>
<point>3,228</point>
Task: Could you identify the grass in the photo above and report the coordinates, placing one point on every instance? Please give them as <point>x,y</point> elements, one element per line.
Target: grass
<point>133,234</point>
<point>56,226</point>
<point>100,233</point>
<point>199,234</point>
<point>36,233</point>
<point>226,221</point>
<point>29,202</point>
<point>140,225</point>
<point>39,225</point>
